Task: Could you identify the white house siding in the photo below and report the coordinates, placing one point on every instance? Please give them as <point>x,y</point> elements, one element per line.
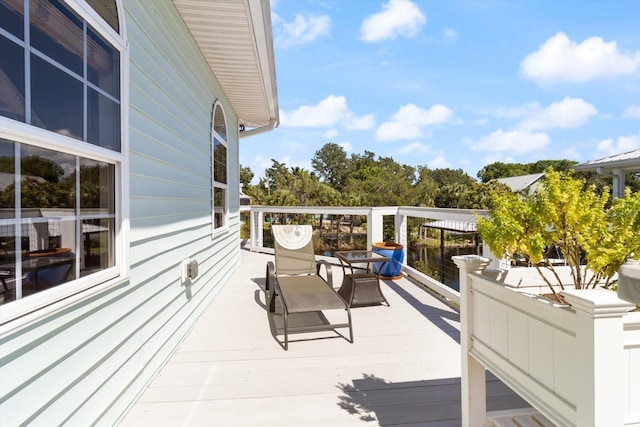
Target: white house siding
<point>86,362</point>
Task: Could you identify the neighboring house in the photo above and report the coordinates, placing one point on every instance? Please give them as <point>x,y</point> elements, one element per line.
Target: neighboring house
<point>120,123</point>
<point>614,166</point>
<point>522,183</point>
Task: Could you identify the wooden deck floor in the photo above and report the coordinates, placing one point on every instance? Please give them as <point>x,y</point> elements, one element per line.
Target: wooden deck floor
<point>402,369</point>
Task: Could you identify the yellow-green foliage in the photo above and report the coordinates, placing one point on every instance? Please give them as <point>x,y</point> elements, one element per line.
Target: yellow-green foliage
<point>592,237</point>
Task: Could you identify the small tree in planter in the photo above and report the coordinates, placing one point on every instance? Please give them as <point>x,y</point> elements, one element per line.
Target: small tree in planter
<point>594,237</point>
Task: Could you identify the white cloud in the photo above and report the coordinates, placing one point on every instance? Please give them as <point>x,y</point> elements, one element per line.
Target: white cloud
<point>633,112</point>
<point>450,35</point>
<point>330,133</point>
<point>438,162</point>
<point>515,112</point>
<point>568,113</point>
<point>609,147</point>
<point>408,121</point>
<point>348,147</point>
<point>328,113</point>
<point>414,148</point>
<point>560,59</point>
<point>360,123</point>
<point>413,115</point>
<point>390,131</point>
<point>398,18</point>
<point>302,30</point>
<point>569,153</point>
<point>513,142</point>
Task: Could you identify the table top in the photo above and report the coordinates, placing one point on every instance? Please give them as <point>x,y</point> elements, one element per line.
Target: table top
<point>354,257</point>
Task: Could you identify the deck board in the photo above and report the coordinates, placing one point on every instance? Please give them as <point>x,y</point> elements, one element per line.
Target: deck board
<point>402,369</point>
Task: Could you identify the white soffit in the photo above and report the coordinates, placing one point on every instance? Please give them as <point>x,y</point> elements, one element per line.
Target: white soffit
<point>236,40</point>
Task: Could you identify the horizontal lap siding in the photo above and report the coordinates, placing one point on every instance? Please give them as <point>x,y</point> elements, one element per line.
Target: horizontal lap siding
<point>87,363</point>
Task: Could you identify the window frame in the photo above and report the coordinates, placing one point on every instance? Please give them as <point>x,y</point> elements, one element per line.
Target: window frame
<point>26,309</point>
<point>215,231</point>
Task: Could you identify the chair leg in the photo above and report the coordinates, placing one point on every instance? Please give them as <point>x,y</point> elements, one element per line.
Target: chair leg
<point>286,331</point>
<point>350,326</point>
<point>4,284</point>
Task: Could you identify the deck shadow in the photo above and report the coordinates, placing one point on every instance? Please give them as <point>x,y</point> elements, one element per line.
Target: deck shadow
<point>435,315</point>
<point>307,319</point>
<point>371,399</point>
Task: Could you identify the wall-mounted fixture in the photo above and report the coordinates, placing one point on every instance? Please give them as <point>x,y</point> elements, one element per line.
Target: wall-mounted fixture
<point>192,269</point>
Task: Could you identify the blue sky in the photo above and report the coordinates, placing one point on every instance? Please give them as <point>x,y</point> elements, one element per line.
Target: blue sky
<point>453,84</point>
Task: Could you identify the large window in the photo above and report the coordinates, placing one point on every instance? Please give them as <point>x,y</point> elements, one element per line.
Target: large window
<point>60,146</point>
<point>220,164</point>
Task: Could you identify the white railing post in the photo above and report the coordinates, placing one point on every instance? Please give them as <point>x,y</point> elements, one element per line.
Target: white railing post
<point>600,355</point>
<point>375,230</point>
<point>257,224</point>
<point>473,385</point>
<point>400,226</point>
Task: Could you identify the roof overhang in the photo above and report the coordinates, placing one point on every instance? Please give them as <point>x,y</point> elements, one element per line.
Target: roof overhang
<point>629,161</point>
<point>236,40</point>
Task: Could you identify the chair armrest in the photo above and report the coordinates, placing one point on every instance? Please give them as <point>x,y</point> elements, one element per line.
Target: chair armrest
<point>270,276</point>
<point>327,268</point>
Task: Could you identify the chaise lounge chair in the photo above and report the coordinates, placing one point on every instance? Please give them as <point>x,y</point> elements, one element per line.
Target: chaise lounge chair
<point>295,279</point>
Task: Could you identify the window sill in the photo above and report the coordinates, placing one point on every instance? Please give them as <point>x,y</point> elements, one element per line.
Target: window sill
<point>18,314</point>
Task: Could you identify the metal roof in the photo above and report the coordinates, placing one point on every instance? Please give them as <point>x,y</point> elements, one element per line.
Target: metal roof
<point>522,182</point>
<point>629,161</point>
<point>236,40</point>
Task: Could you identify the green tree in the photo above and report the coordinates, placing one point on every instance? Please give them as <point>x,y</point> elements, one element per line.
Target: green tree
<point>246,175</point>
<point>332,165</point>
<point>595,240</point>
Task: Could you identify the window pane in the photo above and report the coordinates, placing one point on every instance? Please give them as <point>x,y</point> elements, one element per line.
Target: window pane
<point>219,162</point>
<point>219,207</point>
<point>97,187</point>
<point>48,256</point>
<point>56,99</point>
<point>103,64</point>
<point>218,123</point>
<point>47,181</point>
<point>104,121</point>
<point>12,17</point>
<point>11,80</point>
<point>107,10</point>
<point>98,238</point>
<point>7,179</point>
<point>57,32</point>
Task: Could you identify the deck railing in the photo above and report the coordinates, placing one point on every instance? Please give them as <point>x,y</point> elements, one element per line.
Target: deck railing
<point>579,365</point>
<point>374,229</point>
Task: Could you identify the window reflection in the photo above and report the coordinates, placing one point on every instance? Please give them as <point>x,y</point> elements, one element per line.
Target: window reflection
<point>103,121</point>
<point>97,242</point>
<point>58,33</point>
<point>12,17</point>
<point>53,240</point>
<point>103,64</point>
<point>72,75</point>
<point>108,10</point>
<point>96,187</point>
<point>7,178</point>
<point>11,80</point>
<point>47,180</point>
<point>56,99</point>
<point>219,162</point>
<point>219,125</point>
<point>219,207</point>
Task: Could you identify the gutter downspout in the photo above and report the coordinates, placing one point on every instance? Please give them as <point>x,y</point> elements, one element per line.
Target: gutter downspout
<point>273,123</point>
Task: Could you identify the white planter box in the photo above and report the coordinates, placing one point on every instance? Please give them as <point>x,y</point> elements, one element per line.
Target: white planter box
<point>578,365</point>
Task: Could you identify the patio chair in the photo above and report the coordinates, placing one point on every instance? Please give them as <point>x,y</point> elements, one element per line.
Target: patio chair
<point>295,279</point>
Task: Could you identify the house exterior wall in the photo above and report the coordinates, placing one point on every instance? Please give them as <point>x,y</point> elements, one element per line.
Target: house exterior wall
<point>85,361</point>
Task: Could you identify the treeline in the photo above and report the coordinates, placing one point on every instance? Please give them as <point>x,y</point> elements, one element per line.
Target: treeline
<point>367,180</point>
